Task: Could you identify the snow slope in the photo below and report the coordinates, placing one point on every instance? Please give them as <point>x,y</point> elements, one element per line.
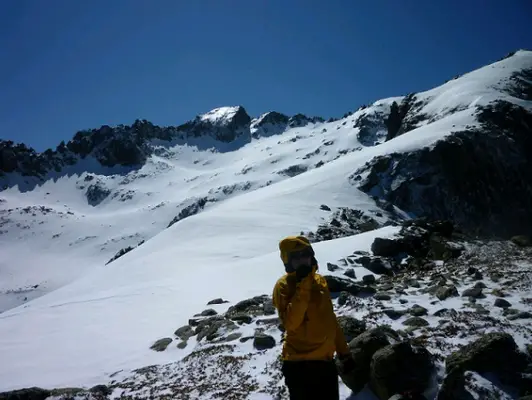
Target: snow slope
<point>87,320</point>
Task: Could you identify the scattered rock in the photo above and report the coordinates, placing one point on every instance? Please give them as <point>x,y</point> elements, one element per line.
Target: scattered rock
<point>440,249</point>
<point>232,336</point>
<point>343,298</point>
<point>325,207</point>
<point>208,313</point>
<point>386,286</point>
<point>182,345</point>
<point>262,341</point>
<point>341,285</point>
<point>351,327</point>
<point>217,301</point>
<point>393,314</point>
<point>254,306</point>
<point>100,390</point>
<point>369,279</point>
<point>521,241</point>
<point>398,368</point>
<point>350,273</point>
<point>209,328</point>
<point>445,292</point>
<point>332,267</point>
<point>520,315</point>
<point>362,349</point>
<point>387,247</point>
<point>498,293</point>
<point>474,292</point>
<point>418,311</point>
<point>403,301</point>
<point>480,285</point>
<point>471,270</point>
<point>241,317</point>
<point>416,322</point>
<point>161,344</point>
<point>413,283</point>
<point>494,353</point>
<point>502,303</point>
<point>382,296</point>
<point>268,308</point>
<point>185,332</point>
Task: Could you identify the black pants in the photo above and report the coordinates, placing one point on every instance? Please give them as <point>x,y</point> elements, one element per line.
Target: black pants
<point>309,380</point>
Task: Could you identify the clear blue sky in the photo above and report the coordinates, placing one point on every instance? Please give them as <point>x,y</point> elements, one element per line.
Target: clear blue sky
<point>68,65</point>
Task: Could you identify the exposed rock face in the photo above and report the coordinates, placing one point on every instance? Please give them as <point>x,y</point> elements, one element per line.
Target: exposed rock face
<point>494,353</point>
<point>398,368</point>
<point>465,177</point>
<point>225,128</point>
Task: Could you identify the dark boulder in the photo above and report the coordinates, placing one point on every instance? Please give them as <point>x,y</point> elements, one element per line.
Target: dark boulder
<point>362,349</point>
<point>185,332</point>
<point>262,341</point>
<point>399,368</point>
<point>351,327</point>
<point>493,353</point>
<point>161,344</point>
<point>384,247</point>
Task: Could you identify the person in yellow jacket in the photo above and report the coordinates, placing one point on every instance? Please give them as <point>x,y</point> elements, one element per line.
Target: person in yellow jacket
<point>312,333</point>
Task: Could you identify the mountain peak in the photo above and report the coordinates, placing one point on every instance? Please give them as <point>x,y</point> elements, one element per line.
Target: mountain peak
<point>225,116</point>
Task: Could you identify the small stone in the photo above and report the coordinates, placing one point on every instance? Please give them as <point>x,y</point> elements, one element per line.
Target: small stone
<point>413,283</point>
<point>332,267</point>
<point>480,285</point>
<point>471,270</point>
<point>403,301</point>
<point>445,292</point>
<point>268,308</point>
<point>498,293</point>
<point>393,314</point>
<point>418,311</point>
<point>241,318</point>
<point>217,301</point>
<point>343,298</point>
<point>474,292</point>
<point>382,296</point>
<point>182,345</point>
<point>232,336</point>
<point>502,303</point>
<point>102,390</point>
<point>161,344</point>
<point>185,332</point>
<point>478,276</point>
<point>350,273</point>
<point>369,279</point>
<point>246,339</point>
<point>325,207</point>
<point>520,315</point>
<point>262,341</point>
<point>350,260</point>
<point>208,313</point>
<point>416,322</point>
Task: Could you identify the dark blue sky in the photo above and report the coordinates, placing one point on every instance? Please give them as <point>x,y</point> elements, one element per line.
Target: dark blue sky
<point>68,65</point>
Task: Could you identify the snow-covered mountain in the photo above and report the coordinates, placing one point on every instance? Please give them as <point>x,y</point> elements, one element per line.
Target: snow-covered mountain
<point>119,236</point>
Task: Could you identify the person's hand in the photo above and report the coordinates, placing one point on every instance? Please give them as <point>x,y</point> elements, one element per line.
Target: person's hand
<point>347,363</point>
<point>302,272</point>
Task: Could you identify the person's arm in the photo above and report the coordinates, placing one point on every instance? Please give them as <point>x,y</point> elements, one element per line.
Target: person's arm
<point>292,310</point>
<point>341,344</point>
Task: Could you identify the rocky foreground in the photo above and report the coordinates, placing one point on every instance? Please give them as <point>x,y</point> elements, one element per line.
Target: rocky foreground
<point>442,313</point>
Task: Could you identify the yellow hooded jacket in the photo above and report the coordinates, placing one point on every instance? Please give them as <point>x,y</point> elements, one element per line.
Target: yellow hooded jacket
<point>306,311</point>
